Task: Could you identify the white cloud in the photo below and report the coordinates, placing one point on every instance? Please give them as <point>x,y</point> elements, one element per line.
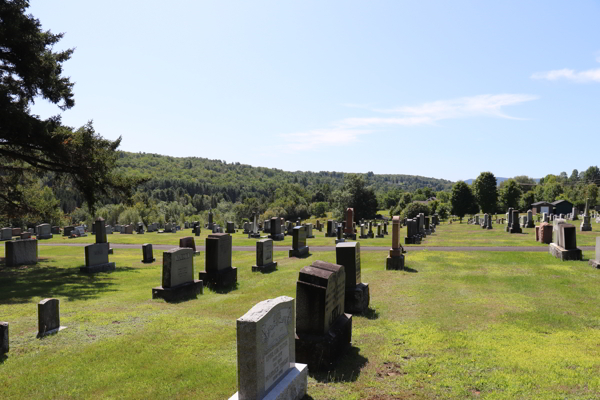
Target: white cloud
<point>591,75</point>
<point>346,131</point>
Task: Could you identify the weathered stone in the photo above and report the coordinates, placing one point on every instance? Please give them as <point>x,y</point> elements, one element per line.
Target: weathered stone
<point>48,317</point>
<point>356,298</point>
<point>178,276</point>
<point>147,253</point>
<point>267,353</point>
<point>264,256</point>
<point>96,259</point>
<point>299,247</point>
<point>20,252</point>
<point>44,231</point>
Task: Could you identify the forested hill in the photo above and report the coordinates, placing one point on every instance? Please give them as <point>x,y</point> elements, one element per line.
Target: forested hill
<point>234,181</point>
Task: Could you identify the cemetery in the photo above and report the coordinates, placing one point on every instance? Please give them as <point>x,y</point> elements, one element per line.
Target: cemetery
<point>267,272</point>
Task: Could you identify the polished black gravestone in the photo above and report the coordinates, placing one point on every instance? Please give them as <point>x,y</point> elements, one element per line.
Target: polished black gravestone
<point>219,273</point>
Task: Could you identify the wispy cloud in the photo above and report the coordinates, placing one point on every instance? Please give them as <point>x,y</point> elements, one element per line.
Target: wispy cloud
<point>348,131</point>
<point>590,75</point>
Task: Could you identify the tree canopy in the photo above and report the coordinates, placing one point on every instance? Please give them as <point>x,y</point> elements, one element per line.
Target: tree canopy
<point>462,199</point>
<point>30,146</point>
<point>486,192</point>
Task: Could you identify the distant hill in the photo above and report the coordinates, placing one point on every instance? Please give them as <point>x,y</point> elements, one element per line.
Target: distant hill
<point>498,180</point>
<point>234,181</point>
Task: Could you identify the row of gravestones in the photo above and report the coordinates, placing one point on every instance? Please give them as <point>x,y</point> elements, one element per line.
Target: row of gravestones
<point>42,231</point>
<point>419,227</point>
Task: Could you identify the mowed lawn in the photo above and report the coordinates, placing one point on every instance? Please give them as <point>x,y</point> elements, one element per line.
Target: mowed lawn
<point>455,234</point>
<point>457,325</point>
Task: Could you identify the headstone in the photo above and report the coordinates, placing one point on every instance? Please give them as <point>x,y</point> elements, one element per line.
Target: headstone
<point>514,227</point>
<point>44,231</point>
<point>379,231</point>
<point>48,317</point>
<point>210,220</point>
<point>349,228</point>
<point>21,252</point>
<point>309,230</point>
<point>299,247</point>
<point>100,230</point>
<point>395,260</point>
<point>219,273</point>
<point>586,225</point>
<point>357,297</point>
<point>67,230</point>
<point>140,228</point>
<point>6,234</point>
<point>96,259</point>
<point>545,233</point>
<point>254,233</point>
<point>188,242</point>
<point>363,232</point>
<point>276,233</point>
<point>339,234</point>
<point>330,229</point>
<point>178,276</point>
<point>564,242</point>
<point>266,349</point>
<point>25,235</point>
<point>3,338</point>
<point>264,256</point>
<point>323,329</point>
<point>371,234</point>
<point>197,230</point>
<point>147,254</point>
<point>596,261</point>
<point>575,214</point>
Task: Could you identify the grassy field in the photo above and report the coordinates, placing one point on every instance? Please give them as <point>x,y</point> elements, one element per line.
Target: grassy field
<point>446,235</point>
<point>459,325</point>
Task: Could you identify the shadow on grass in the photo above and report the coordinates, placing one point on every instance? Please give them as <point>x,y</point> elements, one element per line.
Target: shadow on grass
<point>225,289</point>
<point>346,369</point>
<point>409,269</point>
<point>369,314</point>
<point>3,357</point>
<point>21,284</point>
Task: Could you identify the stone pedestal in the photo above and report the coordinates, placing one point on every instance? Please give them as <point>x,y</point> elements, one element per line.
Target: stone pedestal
<point>188,290</point>
<point>585,226</point>
<point>320,352</point>
<point>395,263</point>
<point>563,254</point>
<point>221,278</point>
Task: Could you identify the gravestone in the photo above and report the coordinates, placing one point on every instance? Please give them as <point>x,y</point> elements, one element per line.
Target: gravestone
<point>210,220</point>
<point>363,232</point>
<point>3,338</point>
<point>140,228</point>
<point>586,226</point>
<point>299,247</point>
<point>514,226</point>
<point>309,230</point>
<point>197,230</point>
<point>426,225</point>
<point>266,350</point>
<point>290,228</point>
<point>339,234</point>
<point>370,233</point>
<point>267,226</point>
<point>596,261</point>
<point>219,273</point>
<point>6,234</point>
<point>25,235</point>
<point>356,298</point>
<point>17,231</point>
<point>21,252</point>
<point>349,228</point>
<point>254,232</point>
<point>147,254</point>
<point>379,231</point>
<point>189,243</point>
<point>319,226</point>
<point>101,231</point>
<point>264,256</point>
<point>178,281</point>
<point>230,227</point>
<point>56,230</point>
<point>575,214</point>
<point>276,233</point>
<point>323,329</point>
<point>128,230</point>
<point>44,231</point>
<point>67,230</point>
<point>395,260</point>
<point>331,232</point>
<point>544,233</point>
<point>48,317</point>
<point>96,259</point>
<point>564,242</point>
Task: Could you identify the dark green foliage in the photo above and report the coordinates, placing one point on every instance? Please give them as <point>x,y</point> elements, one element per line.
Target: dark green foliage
<point>485,189</point>
<point>414,209</point>
<point>510,194</point>
<point>30,146</point>
<point>462,199</point>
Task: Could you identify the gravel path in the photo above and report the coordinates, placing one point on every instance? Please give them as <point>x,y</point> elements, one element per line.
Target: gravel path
<point>332,248</point>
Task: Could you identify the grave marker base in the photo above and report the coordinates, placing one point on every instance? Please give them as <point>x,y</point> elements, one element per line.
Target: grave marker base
<point>320,352</point>
<point>356,301</point>
<point>564,255</point>
<point>188,290</point>
<point>224,278</point>
<point>265,268</point>
<point>301,252</point>
<point>92,269</point>
<point>342,240</point>
<point>412,240</point>
<point>277,237</point>
<point>148,261</point>
<point>52,332</point>
<point>291,387</point>
<point>395,263</point>
<point>380,236</point>
<point>49,236</point>
<point>253,235</point>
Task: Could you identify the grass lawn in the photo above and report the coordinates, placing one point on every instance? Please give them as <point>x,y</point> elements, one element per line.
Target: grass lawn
<point>491,325</point>
<point>446,235</point>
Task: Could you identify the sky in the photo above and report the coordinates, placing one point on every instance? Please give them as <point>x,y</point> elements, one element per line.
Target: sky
<point>433,88</point>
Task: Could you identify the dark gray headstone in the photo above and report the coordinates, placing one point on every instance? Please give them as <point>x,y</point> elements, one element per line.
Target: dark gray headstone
<point>48,317</point>
<point>178,267</point>
<point>218,252</point>
<point>147,253</point>
<point>20,252</point>
<point>3,337</point>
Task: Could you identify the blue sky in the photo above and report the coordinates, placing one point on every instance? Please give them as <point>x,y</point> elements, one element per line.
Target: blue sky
<point>439,89</point>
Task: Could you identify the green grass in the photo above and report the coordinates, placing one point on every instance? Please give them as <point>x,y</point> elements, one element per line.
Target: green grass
<point>492,325</point>
<point>446,235</point>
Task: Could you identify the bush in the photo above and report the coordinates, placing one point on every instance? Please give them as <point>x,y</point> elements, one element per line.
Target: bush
<point>414,209</point>
<point>319,209</point>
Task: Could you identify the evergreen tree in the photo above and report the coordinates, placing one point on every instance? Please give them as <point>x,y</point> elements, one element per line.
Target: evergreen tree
<point>462,199</point>
<point>485,189</point>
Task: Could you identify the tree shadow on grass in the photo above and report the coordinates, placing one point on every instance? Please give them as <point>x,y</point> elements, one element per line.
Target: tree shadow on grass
<point>22,283</point>
<point>346,369</point>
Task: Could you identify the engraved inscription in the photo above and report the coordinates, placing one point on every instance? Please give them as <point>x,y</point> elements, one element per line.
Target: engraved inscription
<point>275,327</point>
<point>277,362</point>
